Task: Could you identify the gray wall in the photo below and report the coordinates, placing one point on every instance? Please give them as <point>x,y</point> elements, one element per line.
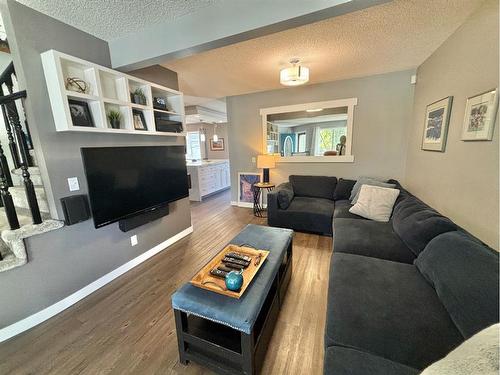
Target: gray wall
<point>381,119</point>
<point>158,74</point>
<point>65,260</point>
<point>221,132</point>
<point>462,182</point>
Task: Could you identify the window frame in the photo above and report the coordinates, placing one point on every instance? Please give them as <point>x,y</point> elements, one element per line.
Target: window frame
<point>350,103</point>
<point>188,145</point>
<point>299,134</point>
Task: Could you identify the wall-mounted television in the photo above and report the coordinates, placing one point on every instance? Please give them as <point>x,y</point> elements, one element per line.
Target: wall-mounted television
<point>127,181</point>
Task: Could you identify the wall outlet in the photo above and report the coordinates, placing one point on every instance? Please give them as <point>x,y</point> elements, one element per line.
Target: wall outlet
<point>133,240</point>
<point>73,184</point>
<point>254,160</point>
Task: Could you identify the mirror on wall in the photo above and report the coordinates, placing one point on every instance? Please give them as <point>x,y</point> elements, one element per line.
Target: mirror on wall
<point>319,131</point>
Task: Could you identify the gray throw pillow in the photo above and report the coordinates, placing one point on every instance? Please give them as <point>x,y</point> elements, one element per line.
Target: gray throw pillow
<point>372,183</point>
<point>285,195</point>
<point>359,182</point>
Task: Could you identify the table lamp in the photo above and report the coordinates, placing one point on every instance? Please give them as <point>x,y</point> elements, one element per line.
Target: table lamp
<point>265,162</point>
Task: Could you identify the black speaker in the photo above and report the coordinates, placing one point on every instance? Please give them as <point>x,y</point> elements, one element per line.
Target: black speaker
<point>75,208</point>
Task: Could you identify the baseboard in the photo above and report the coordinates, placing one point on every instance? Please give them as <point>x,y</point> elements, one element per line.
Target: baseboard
<point>47,313</point>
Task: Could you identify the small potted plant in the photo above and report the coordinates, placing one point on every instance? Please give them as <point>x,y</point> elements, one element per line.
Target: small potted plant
<point>138,96</point>
<point>114,118</point>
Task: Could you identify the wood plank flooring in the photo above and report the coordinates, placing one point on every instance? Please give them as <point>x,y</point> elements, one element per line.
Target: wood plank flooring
<point>127,327</point>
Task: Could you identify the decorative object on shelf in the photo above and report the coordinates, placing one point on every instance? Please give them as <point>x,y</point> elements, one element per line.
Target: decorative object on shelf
<point>164,123</point>
<point>114,118</point>
<point>341,146</point>
<point>160,103</point>
<point>217,145</point>
<point>437,118</point>
<point>139,120</point>
<point>138,97</point>
<point>266,162</point>
<point>480,112</point>
<point>77,85</point>
<point>295,75</point>
<point>246,181</point>
<point>80,113</point>
<point>234,280</point>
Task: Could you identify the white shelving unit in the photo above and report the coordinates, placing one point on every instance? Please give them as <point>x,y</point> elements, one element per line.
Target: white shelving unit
<point>109,89</point>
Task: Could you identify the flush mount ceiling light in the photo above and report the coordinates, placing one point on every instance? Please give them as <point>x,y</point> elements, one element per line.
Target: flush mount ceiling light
<point>314,110</point>
<point>295,75</point>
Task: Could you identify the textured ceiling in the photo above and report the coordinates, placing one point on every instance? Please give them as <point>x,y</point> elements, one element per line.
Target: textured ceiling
<point>110,19</point>
<point>395,36</point>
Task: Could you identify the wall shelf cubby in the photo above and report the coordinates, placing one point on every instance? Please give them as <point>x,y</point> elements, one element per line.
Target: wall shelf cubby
<point>107,90</point>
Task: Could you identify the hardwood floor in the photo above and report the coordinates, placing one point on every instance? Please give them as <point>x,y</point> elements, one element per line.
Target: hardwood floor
<point>127,327</point>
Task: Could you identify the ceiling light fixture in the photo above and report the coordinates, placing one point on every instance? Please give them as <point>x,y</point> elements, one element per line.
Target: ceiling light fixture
<point>295,75</point>
<point>215,137</point>
<point>314,110</point>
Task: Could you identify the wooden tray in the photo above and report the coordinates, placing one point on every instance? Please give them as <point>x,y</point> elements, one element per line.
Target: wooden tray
<point>218,285</point>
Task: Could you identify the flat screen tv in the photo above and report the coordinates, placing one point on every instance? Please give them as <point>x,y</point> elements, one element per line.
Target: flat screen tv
<point>127,181</point>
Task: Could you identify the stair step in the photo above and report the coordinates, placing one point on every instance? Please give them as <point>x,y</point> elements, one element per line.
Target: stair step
<point>20,200</point>
<point>17,176</point>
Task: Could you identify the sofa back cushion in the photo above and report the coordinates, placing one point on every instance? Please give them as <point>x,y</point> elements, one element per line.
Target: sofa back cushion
<point>343,189</point>
<point>285,195</point>
<point>361,181</point>
<point>464,273</point>
<point>416,223</point>
<point>313,186</point>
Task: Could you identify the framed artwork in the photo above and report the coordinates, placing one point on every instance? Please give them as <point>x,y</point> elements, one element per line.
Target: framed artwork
<point>480,114</point>
<point>217,145</point>
<point>139,120</point>
<point>246,180</point>
<point>80,113</point>
<point>437,118</point>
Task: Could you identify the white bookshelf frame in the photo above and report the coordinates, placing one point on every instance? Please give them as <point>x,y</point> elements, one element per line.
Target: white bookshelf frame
<point>108,89</point>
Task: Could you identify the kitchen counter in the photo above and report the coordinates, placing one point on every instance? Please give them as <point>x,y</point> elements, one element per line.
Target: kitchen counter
<point>208,177</point>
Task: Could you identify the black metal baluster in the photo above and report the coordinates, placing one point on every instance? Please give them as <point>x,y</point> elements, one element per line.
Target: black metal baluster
<point>4,168</point>
<point>24,158</point>
<point>8,204</point>
<point>10,137</point>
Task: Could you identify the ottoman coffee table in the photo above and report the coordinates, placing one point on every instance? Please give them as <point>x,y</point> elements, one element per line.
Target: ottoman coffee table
<point>229,335</point>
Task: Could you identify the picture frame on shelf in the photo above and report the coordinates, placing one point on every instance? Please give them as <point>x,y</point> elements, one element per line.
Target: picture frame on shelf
<point>139,120</point>
<point>480,115</point>
<point>437,119</point>
<point>217,145</point>
<point>246,180</point>
<point>80,113</point>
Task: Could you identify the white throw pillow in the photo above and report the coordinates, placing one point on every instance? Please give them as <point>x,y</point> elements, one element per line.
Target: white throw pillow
<point>477,355</point>
<point>375,202</point>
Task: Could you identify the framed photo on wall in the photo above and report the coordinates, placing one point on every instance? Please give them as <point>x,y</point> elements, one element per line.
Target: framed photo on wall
<point>139,120</point>
<point>246,180</point>
<point>480,114</point>
<point>80,113</point>
<point>217,145</point>
<point>437,118</point>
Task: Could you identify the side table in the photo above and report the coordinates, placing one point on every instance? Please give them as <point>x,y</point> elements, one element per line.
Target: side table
<point>258,209</point>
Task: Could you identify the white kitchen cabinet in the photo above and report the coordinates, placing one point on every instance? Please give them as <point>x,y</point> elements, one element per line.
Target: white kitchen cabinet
<point>208,177</point>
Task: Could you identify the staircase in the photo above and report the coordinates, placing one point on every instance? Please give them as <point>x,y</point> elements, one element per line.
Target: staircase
<point>24,210</point>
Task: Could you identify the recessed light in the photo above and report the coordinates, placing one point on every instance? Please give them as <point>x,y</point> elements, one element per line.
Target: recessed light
<point>314,110</point>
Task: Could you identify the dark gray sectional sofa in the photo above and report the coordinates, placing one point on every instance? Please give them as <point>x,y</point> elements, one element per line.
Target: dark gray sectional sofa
<point>401,294</point>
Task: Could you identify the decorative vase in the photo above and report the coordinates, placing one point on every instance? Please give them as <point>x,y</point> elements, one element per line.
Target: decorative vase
<point>234,281</point>
<point>115,123</point>
<point>138,99</point>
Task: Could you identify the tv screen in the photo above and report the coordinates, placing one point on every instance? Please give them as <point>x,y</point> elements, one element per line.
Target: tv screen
<point>126,181</point>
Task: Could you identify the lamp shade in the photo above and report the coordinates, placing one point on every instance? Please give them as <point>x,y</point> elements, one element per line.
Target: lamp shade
<point>266,161</point>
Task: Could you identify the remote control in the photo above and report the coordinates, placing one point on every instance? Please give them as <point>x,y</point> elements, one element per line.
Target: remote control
<point>218,273</point>
<point>224,268</point>
<point>242,263</point>
<point>239,256</point>
<point>233,266</point>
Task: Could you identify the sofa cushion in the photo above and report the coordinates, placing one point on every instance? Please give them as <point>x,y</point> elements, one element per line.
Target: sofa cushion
<point>313,186</point>
<point>347,361</point>
<point>359,183</point>
<point>310,214</point>
<point>465,276</point>
<point>369,238</point>
<point>342,210</point>
<point>285,195</point>
<point>375,202</point>
<point>372,183</point>
<point>417,224</point>
<point>343,189</point>
<point>388,309</point>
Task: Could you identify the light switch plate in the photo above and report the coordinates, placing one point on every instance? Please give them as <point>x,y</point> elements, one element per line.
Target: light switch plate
<point>254,160</point>
<point>133,240</point>
<point>73,184</point>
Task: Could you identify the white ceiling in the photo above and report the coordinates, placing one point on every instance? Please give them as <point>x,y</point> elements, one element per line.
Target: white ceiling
<point>110,19</point>
<point>391,37</point>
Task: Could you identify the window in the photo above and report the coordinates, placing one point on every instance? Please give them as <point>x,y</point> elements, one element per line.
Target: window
<point>327,139</point>
<point>301,142</point>
<point>193,145</point>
